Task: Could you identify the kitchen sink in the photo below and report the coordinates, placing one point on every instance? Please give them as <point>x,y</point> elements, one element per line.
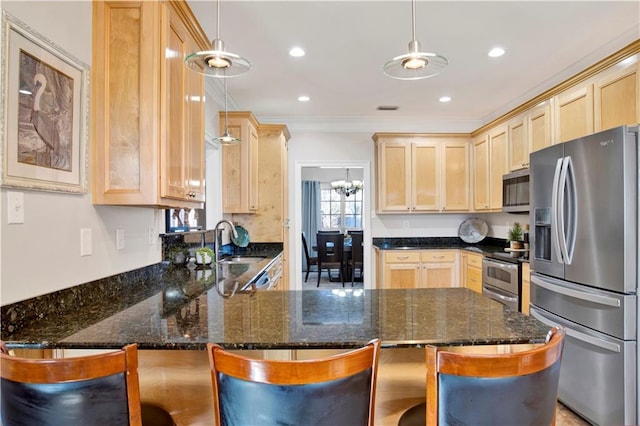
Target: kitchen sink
<point>242,259</point>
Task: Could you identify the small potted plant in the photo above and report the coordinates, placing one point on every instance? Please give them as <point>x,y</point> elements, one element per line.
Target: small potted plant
<point>515,236</point>
<point>204,255</point>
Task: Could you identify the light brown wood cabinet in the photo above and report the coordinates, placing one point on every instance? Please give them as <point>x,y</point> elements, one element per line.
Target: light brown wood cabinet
<point>574,113</point>
<point>240,164</point>
<point>539,127</point>
<point>419,268</point>
<point>471,268</point>
<point>617,96</point>
<point>422,173</point>
<point>147,109</point>
<point>525,296</point>
<point>269,221</point>
<point>490,163</point>
<point>518,144</point>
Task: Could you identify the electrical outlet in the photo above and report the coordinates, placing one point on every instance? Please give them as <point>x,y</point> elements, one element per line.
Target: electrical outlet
<point>86,242</point>
<point>119,239</point>
<point>405,224</point>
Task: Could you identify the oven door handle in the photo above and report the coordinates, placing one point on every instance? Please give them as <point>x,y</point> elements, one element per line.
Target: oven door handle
<point>593,298</point>
<point>501,265</point>
<point>497,295</point>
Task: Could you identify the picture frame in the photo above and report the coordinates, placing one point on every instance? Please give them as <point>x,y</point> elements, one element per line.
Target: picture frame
<point>45,108</point>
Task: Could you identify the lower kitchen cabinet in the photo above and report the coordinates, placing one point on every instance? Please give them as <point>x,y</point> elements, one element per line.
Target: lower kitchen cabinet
<point>525,295</point>
<point>472,271</point>
<point>419,268</point>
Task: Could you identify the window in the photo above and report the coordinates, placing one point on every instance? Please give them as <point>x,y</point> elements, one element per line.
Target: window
<point>339,212</point>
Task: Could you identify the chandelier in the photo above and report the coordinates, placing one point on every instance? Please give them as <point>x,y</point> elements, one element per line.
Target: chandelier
<point>346,187</point>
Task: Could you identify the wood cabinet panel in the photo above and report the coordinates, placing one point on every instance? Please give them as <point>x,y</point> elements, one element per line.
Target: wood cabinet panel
<point>147,151</point>
<point>497,166</point>
<point>425,176</point>
<point>240,164</point>
<point>455,176</point>
<point>422,173</point>
<point>518,144</point>
<point>617,98</point>
<point>525,297</point>
<point>574,113</point>
<point>481,173</point>
<point>394,176</point>
<point>419,268</point>
<point>539,123</point>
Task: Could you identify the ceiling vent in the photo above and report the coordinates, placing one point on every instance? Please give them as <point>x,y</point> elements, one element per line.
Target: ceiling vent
<point>387,108</point>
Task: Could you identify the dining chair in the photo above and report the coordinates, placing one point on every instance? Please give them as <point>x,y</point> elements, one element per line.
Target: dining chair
<point>330,254</point>
<point>311,260</point>
<point>335,390</point>
<point>356,261</point>
<point>519,388</point>
<point>89,390</point>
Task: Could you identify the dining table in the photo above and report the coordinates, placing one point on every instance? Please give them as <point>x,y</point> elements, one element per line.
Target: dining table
<point>176,313</point>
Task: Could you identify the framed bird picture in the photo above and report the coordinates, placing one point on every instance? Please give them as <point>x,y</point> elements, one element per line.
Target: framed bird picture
<point>45,102</point>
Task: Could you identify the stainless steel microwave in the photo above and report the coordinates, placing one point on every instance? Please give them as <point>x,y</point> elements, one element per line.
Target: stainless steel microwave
<point>515,192</point>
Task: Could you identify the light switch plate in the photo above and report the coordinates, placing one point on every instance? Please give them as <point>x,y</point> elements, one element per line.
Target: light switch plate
<point>15,207</point>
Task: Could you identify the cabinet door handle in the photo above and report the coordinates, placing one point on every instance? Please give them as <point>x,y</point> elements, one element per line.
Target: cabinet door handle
<point>439,257</point>
<point>402,257</point>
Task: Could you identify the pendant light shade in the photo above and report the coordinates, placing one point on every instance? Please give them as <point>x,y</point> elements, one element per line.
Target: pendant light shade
<point>226,138</point>
<point>217,62</point>
<point>415,64</point>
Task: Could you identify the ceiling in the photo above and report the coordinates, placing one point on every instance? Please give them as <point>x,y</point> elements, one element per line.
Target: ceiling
<point>348,42</point>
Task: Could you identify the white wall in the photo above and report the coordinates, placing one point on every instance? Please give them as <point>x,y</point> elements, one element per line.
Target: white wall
<point>43,254</point>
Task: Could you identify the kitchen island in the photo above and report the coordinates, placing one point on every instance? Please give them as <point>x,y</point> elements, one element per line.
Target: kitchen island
<point>177,311</point>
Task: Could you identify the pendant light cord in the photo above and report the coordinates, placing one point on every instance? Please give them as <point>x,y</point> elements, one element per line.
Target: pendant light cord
<point>226,111</point>
<point>218,20</point>
<point>413,20</point>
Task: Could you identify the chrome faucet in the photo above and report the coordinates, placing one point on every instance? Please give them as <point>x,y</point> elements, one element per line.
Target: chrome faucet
<point>216,243</point>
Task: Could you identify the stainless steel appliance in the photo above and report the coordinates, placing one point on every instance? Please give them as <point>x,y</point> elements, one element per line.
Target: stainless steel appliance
<point>501,279</point>
<point>515,192</point>
<point>584,213</point>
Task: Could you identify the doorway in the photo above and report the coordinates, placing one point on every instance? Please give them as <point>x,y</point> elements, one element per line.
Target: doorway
<point>327,172</point>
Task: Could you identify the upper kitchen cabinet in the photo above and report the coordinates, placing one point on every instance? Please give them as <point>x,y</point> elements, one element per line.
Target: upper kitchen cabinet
<point>147,109</point>
<point>490,163</point>
<point>617,95</point>
<point>518,144</point>
<point>538,121</point>
<point>240,164</point>
<point>573,113</point>
<point>421,173</point>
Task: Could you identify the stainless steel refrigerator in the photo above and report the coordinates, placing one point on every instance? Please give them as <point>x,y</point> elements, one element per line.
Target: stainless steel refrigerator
<point>584,218</point>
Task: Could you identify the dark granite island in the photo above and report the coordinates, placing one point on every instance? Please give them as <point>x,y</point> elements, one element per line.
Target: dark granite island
<point>173,318</point>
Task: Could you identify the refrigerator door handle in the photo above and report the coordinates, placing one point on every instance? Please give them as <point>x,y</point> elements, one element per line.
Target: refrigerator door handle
<point>587,297</point>
<point>594,341</point>
<point>560,203</point>
<point>570,235</point>
<point>554,211</point>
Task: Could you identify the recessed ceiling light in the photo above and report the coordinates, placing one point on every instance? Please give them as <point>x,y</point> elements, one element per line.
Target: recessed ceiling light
<point>445,99</point>
<point>496,52</point>
<point>304,98</point>
<point>297,52</point>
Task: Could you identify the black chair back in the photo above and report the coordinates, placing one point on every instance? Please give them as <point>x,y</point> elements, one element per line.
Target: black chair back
<point>330,254</point>
<point>357,252</point>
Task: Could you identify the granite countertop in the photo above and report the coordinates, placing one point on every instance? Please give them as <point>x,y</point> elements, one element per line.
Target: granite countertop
<point>485,247</point>
<point>183,313</point>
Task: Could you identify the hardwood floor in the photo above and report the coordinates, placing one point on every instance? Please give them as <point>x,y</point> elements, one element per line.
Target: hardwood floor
<point>180,382</point>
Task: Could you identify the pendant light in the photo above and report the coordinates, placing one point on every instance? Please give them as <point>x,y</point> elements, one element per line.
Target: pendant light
<point>217,62</point>
<point>415,64</point>
<point>226,138</point>
<point>346,187</point>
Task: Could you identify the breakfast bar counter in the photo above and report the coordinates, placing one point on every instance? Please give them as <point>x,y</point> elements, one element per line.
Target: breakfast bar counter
<point>187,314</point>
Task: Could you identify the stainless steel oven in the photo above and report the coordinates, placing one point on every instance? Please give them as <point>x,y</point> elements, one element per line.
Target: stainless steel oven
<point>501,281</point>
